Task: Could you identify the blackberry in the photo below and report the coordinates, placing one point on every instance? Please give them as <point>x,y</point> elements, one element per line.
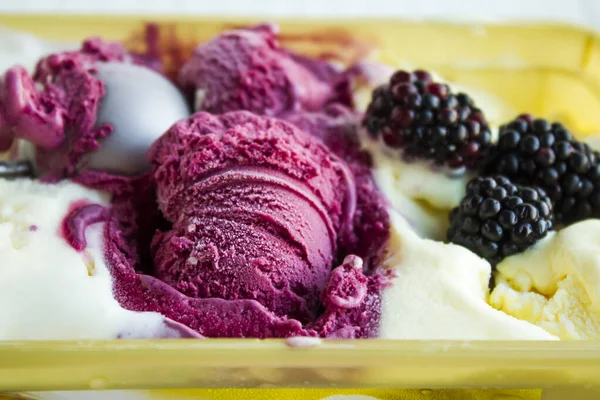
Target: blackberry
<point>425,120</point>
<point>498,218</point>
<point>536,152</point>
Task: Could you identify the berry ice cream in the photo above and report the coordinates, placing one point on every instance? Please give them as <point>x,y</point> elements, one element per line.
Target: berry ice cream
<point>62,109</point>
<point>247,69</point>
<point>337,127</point>
<point>59,120</point>
<point>257,210</point>
<point>352,302</point>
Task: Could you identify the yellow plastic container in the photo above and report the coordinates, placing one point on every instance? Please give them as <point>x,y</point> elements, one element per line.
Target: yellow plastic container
<point>551,71</point>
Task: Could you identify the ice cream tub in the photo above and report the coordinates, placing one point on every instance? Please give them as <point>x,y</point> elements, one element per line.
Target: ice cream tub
<point>547,69</point>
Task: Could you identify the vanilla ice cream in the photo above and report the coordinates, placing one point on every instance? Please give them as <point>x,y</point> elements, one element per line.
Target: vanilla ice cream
<point>418,192</point>
<point>440,292</point>
<point>555,284</point>
<point>54,291</point>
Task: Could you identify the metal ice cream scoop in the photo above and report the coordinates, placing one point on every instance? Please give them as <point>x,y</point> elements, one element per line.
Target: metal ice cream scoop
<point>140,104</point>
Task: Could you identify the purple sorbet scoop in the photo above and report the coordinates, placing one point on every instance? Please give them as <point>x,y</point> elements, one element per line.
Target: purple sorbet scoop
<point>256,207</point>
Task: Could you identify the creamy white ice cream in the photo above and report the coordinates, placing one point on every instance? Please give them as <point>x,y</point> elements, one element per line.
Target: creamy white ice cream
<point>48,290</point>
<point>440,292</point>
<point>422,195</point>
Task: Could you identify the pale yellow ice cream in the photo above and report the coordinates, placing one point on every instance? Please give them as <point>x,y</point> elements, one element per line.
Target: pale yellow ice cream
<point>555,284</point>
<point>440,292</point>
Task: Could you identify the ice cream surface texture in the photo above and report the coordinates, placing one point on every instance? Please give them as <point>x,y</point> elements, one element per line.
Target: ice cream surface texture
<point>76,100</point>
<point>26,49</point>
<point>60,119</point>
<point>337,126</point>
<point>256,207</point>
<point>440,292</point>
<point>48,289</point>
<point>556,285</point>
<point>247,69</point>
<point>237,230</point>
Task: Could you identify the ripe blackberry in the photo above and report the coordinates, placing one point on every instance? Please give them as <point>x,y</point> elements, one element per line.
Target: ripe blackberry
<point>497,218</point>
<point>536,152</point>
<point>427,121</point>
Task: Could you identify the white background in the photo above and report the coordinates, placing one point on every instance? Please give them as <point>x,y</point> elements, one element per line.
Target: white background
<point>585,12</point>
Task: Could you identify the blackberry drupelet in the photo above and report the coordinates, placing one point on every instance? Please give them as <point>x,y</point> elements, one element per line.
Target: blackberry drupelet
<point>536,152</point>
<point>497,218</point>
<point>425,120</point>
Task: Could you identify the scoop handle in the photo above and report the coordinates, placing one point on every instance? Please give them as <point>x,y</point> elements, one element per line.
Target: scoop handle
<point>15,169</point>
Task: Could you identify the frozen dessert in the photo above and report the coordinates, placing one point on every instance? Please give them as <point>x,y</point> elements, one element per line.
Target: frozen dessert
<point>441,292</point>
<point>555,285</point>
<point>133,89</point>
<point>409,188</point>
<point>66,107</point>
<point>247,69</point>
<point>426,141</point>
<point>75,100</point>
<point>287,204</point>
<point>337,127</point>
<point>352,301</point>
<point>257,209</point>
<point>54,280</point>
